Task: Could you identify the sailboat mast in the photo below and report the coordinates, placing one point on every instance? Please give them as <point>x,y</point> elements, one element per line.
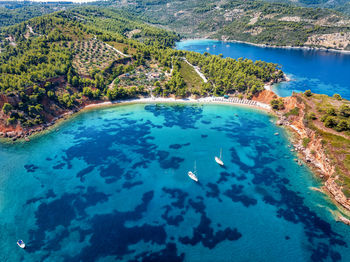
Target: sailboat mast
<point>220,153</point>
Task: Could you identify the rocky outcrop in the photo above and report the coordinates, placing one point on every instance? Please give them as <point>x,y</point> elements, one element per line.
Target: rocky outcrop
<point>52,111</point>
<point>336,192</point>
<point>343,219</point>
<point>264,96</point>
<point>314,152</point>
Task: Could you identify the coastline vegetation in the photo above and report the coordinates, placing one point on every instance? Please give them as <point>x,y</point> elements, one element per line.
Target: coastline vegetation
<point>64,60</point>
<point>322,114</point>
<point>334,112</point>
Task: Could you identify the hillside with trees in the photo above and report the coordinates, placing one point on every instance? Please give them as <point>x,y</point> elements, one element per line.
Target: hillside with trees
<point>277,23</point>
<point>339,5</point>
<point>58,63</point>
<point>13,12</point>
<point>254,21</point>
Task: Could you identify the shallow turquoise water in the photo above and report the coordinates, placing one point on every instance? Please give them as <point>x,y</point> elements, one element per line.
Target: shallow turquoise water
<point>112,184</point>
<point>323,72</point>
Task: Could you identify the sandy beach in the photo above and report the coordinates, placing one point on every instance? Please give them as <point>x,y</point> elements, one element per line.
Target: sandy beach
<point>13,136</point>
<point>205,100</point>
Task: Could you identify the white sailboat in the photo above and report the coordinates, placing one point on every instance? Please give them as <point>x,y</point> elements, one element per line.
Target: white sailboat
<point>219,159</point>
<point>21,244</point>
<point>192,175</point>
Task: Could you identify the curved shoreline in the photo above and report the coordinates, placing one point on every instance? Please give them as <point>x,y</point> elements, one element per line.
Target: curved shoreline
<point>207,100</point>
<point>307,48</point>
<point>43,129</point>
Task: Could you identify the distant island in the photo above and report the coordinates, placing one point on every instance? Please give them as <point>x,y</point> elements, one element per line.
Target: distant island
<point>56,64</point>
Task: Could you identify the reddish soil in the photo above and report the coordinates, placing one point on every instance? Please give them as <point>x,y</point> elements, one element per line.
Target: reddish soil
<point>265,96</point>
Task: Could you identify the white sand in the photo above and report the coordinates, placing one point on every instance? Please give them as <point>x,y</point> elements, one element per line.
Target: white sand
<point>205,100</point>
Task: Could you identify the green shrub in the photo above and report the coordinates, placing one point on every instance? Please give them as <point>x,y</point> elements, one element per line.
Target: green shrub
<point>330,121</point>
<point>308,93</point>
<point>337,96</point>
<point>66,100</point>
<point>277,104</point>
<point>312,116</point>
<point>87,92</point>
<point>306,141</point>
<point>11,120</point>
<point>331,111</point>
<point>344,110</point>
<point>7,108</point>
<point>96,94</point>
<point>342,125</point>
<point>75,81</point>
<point>323,118</point>
<point>51,94</point>
<point>293,112</point>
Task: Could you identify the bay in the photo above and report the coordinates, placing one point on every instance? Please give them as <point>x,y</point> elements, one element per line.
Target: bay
<point>323,72</point>
<point>112,184</point>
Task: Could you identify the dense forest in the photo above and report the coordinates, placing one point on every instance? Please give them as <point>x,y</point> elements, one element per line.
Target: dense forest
<point>64,60</point>
<point>16,12</point>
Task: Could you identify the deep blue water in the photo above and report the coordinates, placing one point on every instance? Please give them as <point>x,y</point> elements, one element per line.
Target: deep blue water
<point>112,184</point>
<point>323,72</point>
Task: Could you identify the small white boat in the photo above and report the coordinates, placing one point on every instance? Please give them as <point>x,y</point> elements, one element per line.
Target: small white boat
<point>192,174</point>
<point>218,159</point>
<point>21,244</point>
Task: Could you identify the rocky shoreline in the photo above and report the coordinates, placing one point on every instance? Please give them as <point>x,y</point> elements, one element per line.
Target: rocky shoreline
<point>314,156</point>
<point>309,48</point>
<point>26,133</point>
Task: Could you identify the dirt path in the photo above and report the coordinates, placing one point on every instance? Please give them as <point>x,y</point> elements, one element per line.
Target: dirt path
<point>119,52</point>
<point>196,68</point>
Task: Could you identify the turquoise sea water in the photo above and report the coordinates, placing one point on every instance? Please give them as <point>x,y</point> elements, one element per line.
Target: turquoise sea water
<point>111,184</point>
<point>323,72</point>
